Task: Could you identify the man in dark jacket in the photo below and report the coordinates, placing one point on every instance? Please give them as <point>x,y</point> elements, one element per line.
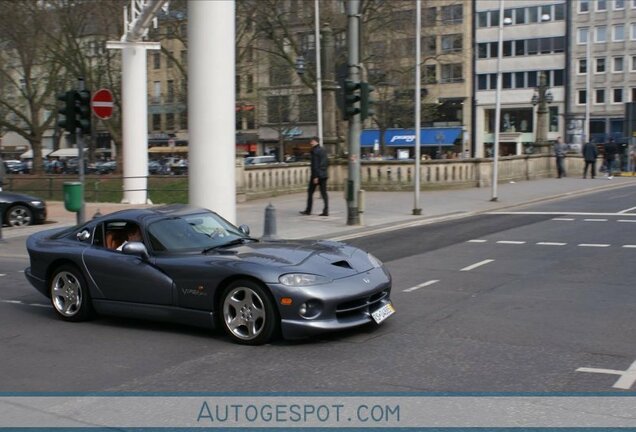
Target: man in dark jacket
<point>590,153</point>
<point>318,177</point>
<point>560,149</point>
<point>610,149</point>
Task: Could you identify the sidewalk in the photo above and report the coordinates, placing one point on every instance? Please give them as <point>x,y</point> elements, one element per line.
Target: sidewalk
<point>384,210</point>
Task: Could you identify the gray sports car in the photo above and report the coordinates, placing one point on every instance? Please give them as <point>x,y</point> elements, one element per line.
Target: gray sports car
<point>191,266</point>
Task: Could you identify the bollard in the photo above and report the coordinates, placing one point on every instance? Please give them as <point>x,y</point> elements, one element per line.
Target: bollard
<point>269,227</point>
<point>361,205</point>
<point>1,221</point>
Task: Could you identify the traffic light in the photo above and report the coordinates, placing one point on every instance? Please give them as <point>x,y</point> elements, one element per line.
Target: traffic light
<point>367,102</point>
<point>83,110</point>
<point>68,111</point>
<point>351,98</point>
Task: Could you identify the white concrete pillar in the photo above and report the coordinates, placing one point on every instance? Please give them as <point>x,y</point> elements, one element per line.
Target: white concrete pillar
<point>135,123</point>
<point>211,106</point>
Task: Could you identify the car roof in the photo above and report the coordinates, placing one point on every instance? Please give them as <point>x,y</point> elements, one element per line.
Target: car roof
<point>148,215</point>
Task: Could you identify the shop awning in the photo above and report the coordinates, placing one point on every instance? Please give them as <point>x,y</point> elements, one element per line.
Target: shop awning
<point>66,152</point>
<point>445,136</point>
<point>29,154</point>
<point>167,150</point>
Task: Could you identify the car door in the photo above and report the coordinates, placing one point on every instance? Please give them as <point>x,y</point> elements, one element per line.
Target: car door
<point>126,278</point>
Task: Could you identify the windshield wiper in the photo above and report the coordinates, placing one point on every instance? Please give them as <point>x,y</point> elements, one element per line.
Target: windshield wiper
<point>241,240</point>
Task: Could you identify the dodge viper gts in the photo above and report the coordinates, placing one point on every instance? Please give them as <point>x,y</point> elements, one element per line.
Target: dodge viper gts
<point>189,265</point>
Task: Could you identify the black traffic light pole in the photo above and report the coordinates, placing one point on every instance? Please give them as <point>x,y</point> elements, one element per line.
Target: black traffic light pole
<point>82,124</point>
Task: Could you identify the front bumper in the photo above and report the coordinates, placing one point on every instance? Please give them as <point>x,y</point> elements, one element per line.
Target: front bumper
<point>39,215</point>
<point>346,303</point>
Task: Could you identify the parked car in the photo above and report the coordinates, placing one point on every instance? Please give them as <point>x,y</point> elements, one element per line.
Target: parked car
<point>155,167</point>
<point>194,267</point>
<point>105,167</point>
<point>15,167</point>
<point>259,160</point>
<point>20,210</point>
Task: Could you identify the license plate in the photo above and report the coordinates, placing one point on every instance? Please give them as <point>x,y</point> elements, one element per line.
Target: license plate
<point>383,313</point>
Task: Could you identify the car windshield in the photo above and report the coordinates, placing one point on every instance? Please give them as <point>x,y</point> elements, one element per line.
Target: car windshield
<point>194,232</point>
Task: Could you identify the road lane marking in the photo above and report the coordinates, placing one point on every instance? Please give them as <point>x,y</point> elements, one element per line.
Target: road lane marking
<point>422,285</point>
<point>2,274</point>
<point>511,242</point>
<point>595,220</point>
<point>23,303</point>
<point>479,264</point>
<point>598,245</point>
<point>626,380</point>
<point>477,241</point>
<point>563,219</point>
<point>551,244</point>
<point>630,246</point>
<point>626,220</point>
<point>560,213</point>
<point>627,210</point>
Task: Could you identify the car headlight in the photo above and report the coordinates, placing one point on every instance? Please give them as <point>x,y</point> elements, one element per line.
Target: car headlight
<point>36,203</point>
<point>302,279</point>
<point>376,263</point>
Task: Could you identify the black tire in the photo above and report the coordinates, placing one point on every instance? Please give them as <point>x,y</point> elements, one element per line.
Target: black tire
<point>18,215</point>
<point>247,313</point>
<point>69,294</point>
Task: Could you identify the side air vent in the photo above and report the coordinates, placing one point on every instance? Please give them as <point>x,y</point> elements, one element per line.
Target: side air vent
<point>343,264</point>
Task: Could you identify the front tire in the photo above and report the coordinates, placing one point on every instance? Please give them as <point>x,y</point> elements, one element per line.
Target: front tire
<point>248,314</point>
<point>19,215</point>
<point>69,294</point>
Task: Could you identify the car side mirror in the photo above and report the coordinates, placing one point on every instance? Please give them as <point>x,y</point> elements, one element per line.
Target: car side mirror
<point>137,249</point>
<point>244,229</point>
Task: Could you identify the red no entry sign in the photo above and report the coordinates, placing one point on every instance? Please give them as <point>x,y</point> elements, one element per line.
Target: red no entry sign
<point>102,103</point>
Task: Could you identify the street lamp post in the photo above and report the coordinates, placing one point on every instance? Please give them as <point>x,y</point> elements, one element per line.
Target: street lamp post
<point>542,98</point>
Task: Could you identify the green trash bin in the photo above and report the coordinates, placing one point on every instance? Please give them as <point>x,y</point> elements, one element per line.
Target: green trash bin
<point>73,196</point>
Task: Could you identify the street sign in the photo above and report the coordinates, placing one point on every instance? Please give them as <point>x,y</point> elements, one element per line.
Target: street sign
<point>102,104</point>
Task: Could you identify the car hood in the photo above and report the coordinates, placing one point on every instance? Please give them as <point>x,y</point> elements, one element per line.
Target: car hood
<point>322,257</point>
<point>11,196</point>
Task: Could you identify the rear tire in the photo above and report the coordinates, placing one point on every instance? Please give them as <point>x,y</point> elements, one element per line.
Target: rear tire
<point>69,294</point>
<point>247,313</point>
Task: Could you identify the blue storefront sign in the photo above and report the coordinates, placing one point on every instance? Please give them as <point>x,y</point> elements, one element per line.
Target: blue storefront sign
<point>444,136</point>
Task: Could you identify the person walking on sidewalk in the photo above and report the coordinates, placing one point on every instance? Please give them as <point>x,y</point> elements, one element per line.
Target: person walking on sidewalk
<point>319,175</point>
<point>590,153</point>
<point>560,149</point>
<point>610,149</point>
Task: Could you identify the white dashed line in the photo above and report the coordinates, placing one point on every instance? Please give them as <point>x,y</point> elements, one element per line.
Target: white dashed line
<point>2,274</point>
<point>630,246</point>
<point>598,245</point>
<point>510,242</point>
<point>23,303</point>
<point>479,264</point>
<point>422,285</point>
<point>551,244</point>
<point>563,219</point>
<point>595,220</point>
<point>626,220</point>
<point>477,241</point>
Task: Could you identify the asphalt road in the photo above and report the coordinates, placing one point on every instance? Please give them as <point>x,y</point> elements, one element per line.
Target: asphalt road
<point>512,302</point>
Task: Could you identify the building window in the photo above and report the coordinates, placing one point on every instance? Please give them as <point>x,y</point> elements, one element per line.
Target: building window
<point>601,5</point>
<point>250,117</point>
<point>582,35</point>
<point>237,84</point>
<point>507,48</point>
<point>533,46</point>
<point>601,34</point>
<point>582,69</point>
<point>554,119</point>
<point>429,15</point>
<point>532,79</point>
<point>558,77</point>
<point>520,80</point>
<point>633,63</point>
<point>156,60</point>
<point>559,12</point>
<point>170,63</point>
<point>599,96</point>
<point>520,16</point>
<point>617,95</point>
<point>512,120</point>
<point>184,58</point>
<point>506,80</point>
<point>451,43</point>
<point>600,65</point>
<point>520,47</point>
<point>278,109</point>
<point>430,74</point>
<point>482,82</point>
<point>619,4</point>
<point>632,31</point>
<point>619,33</point>
<point>249,87</point>
<point>452,73</point>
<point>156,92</point>
<point>452,14</point>
<point>429,45</point>
<point>584,6</point>
<point>279,74</point>
<point>494,18</point>
<point>618,64</point>
<point>633,94</point>
<point>170,95</point>
<point>581,97</point>
<point>170,121</point>
<point>307,108</point>
<point>482,50</point>
<point>156,122</point>
<point>482,19</point>
<point>183,120</point>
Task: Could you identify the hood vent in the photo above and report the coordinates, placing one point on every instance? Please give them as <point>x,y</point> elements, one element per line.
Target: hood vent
<point>343,264</point>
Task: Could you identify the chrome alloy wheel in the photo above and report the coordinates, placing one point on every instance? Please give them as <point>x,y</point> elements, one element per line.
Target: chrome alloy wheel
<point>244,313</point>
<point>19,216</point>
<point>66,293</point>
